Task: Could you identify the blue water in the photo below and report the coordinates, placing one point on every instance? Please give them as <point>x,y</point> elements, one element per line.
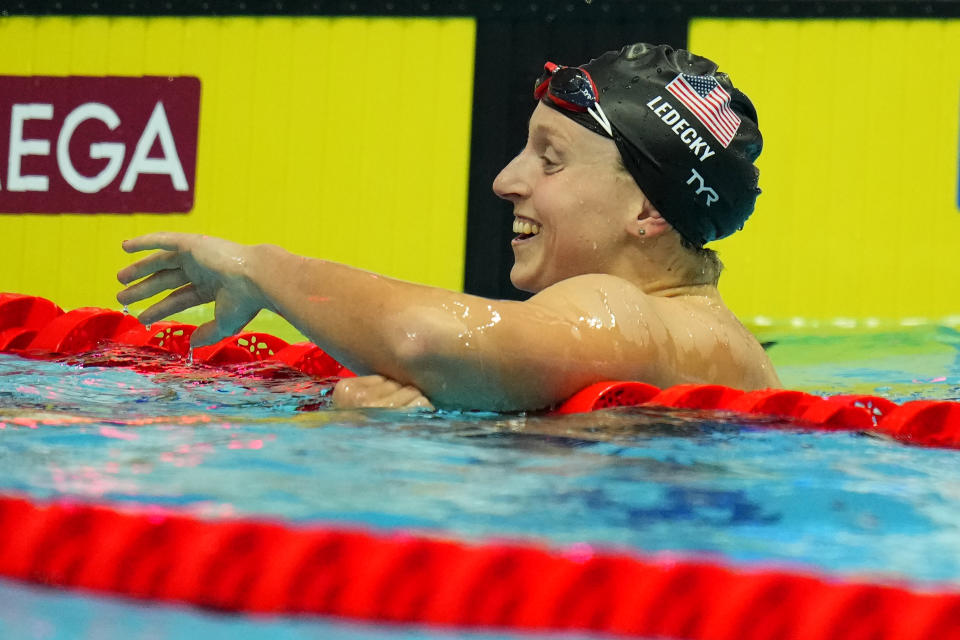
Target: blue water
<point>738,491</point>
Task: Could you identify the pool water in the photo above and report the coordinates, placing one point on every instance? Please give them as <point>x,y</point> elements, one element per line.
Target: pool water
<point>640,479</point>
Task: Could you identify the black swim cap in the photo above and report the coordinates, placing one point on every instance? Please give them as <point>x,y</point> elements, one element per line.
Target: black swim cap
<point>686,134</point>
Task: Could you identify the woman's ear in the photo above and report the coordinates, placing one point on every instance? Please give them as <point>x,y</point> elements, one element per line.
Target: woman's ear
<point>647,223</point>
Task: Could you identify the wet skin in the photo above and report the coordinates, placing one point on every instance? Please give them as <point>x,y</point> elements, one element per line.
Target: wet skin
<point>615,295</point>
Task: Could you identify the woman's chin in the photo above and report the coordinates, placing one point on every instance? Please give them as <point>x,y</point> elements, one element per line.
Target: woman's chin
<point>524,282</point>
<point>519,281</point>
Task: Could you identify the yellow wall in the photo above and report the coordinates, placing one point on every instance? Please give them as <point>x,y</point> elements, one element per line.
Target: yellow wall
<point>344,138</point>
<point>859,214</point>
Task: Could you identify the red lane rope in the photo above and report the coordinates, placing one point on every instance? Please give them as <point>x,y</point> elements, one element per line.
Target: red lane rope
<point>36,327</point>
<point>265,567</point>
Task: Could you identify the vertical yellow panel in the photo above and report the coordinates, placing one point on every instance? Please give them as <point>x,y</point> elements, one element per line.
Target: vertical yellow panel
<point>858,218</point>
<point>448,147</point>
<point>344,138</point>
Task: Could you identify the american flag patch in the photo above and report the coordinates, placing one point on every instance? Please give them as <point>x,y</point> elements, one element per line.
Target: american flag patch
<point>709,103</point>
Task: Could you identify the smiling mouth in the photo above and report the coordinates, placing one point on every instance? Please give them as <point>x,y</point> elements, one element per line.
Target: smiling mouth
<point>525,228</point>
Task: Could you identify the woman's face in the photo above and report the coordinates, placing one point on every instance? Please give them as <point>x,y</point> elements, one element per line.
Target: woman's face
<point>571,202</point>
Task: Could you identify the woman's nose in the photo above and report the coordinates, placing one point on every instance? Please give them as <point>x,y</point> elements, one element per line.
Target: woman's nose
<point>510,183</point>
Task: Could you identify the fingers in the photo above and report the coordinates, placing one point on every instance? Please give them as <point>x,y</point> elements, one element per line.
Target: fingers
<point>422,403</point>
<point>230,316</point>
<point>175,264</point>
<point>181,299</point>
<point>377,391</point>
<point>151,264</point>
<point>406,397</point>
<point>207,333</point>
<point>160,281</point>
<point>353,392</point>
<point>166,240</point>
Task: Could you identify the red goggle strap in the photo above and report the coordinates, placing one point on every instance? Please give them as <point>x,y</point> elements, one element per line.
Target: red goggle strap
<point>549,68</point>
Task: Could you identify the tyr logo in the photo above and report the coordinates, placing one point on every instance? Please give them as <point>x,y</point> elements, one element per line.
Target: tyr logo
<point>703,188</point>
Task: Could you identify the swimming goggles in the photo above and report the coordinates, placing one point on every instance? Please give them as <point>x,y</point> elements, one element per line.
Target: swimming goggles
<point>573,89</point>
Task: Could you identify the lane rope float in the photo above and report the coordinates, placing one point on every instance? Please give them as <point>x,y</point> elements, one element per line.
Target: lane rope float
<point>269,568</point>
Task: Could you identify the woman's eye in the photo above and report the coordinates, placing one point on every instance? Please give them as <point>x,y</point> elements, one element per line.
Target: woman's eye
<point>549,162</point>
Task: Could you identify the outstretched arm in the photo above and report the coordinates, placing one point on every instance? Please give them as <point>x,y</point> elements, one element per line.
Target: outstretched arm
<point>462,351</point>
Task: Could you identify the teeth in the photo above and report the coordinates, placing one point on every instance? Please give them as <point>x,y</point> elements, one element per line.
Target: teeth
<point>526,228</point>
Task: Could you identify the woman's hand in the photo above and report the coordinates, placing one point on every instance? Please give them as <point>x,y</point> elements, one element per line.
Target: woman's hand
<point>198,269</point>
<point>377,391</point>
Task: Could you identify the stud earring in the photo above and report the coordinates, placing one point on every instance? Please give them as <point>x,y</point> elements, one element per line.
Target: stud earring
<point>642,231</point>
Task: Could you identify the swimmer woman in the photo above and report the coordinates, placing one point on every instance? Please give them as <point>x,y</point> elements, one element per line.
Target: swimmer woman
<point>633,161</point>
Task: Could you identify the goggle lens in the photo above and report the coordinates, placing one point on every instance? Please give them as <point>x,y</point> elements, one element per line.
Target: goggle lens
<point>568,87</point>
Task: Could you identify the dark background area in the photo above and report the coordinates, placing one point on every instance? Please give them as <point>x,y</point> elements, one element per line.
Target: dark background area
<point>514,39</point>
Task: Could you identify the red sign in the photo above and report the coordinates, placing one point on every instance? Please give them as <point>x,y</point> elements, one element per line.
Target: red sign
<point>98,144</point>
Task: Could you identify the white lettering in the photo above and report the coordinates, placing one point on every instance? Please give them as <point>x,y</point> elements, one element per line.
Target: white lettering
<point>169,164</point>
<point>689,136</point>
<point>671,117</point>
<point>662,108</point>
<point>19,147</point>
<point>703,188</point>
<point>699,144</point>
<point>114,151</point>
